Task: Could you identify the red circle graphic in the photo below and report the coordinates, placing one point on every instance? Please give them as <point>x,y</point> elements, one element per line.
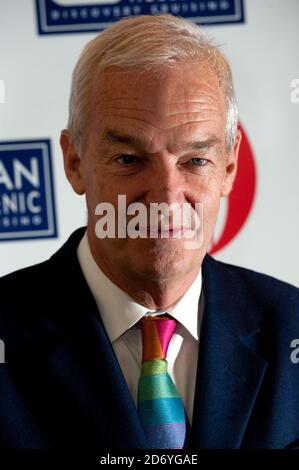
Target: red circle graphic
<point>240,200</point>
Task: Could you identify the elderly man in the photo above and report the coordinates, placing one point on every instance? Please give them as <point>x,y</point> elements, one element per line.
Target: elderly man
<point>126,341</point>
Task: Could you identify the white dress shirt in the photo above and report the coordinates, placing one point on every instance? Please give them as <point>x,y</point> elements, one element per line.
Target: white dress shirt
<point>119,313</point>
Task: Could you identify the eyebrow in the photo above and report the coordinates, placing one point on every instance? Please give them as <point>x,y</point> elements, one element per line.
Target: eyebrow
<point>132,141</point>
<point>114,137</point>
<point>201,144</point>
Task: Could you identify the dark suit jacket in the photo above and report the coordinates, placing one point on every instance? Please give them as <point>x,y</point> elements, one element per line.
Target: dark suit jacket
<point>61,384</point>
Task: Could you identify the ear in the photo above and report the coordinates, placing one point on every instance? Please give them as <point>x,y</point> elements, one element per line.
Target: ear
<point>72,163</point>
<point>231,166</point>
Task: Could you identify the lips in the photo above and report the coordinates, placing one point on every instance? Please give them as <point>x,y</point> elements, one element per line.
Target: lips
<point>171,232</point>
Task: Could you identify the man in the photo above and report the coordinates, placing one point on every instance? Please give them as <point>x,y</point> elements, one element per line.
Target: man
<point>152,118</point>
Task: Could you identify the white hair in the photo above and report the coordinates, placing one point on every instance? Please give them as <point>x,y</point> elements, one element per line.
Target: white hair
<point>146,43</point>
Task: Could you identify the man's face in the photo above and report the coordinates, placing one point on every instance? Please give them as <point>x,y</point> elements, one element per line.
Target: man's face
<point>155,138</point>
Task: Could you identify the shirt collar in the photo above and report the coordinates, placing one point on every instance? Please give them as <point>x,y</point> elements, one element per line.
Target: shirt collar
<point>119,312</point>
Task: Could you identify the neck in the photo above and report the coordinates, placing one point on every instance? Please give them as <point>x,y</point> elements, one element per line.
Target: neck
<point>154,294</point>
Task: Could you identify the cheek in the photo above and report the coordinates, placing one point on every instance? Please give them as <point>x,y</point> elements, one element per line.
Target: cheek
<point>210,198</point>
<point>97,188</point>
<point>209,187</point>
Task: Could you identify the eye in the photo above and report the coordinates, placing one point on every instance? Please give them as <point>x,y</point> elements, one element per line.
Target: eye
<point>126,159</point>
<point>199,161</point>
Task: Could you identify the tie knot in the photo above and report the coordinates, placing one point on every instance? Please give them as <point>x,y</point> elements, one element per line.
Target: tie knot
<point>156,335</point>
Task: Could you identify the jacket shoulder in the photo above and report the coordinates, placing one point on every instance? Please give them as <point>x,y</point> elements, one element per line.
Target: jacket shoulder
<point>23,274</point>
<point>22,294</point>
<point>263,289</point>
<point>258,278</point>
<point>42,273</point>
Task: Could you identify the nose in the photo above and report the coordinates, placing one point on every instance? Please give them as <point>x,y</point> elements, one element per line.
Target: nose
<point>165,184</point>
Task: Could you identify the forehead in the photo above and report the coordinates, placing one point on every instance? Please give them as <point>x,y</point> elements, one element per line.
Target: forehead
<point>174,99</point>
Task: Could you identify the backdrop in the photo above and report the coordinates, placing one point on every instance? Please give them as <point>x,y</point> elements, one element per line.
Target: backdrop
<point>40,42</point>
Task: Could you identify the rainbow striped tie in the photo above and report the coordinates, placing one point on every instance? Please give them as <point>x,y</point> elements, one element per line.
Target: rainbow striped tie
<point>160,407</point>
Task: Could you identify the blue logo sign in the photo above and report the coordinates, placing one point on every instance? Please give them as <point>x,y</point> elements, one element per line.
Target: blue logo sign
<point>27,207</point>
<point>71,16</point>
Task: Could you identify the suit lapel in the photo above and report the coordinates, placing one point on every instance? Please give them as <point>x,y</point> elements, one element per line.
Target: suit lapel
<point>229,372</point>
<point>86,366</point>
<point>87,399</point>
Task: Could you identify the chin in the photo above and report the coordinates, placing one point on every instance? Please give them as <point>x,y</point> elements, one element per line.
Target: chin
<point>162,268</point>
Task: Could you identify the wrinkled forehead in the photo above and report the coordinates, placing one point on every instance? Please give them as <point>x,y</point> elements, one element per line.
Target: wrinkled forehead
<point>160,109</point>
<point>161,90</point>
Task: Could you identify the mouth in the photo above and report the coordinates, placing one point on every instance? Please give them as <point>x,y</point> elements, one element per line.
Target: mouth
<point>171,232</point>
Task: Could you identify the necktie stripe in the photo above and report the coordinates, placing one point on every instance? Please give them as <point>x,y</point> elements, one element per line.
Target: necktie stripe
<point>172,435</point>
<point>154,367</point>
<point>157,386</point>
<point>165,332</point>
<point>162,410</point>
<point>160,407</point>
<point>151,344</point>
